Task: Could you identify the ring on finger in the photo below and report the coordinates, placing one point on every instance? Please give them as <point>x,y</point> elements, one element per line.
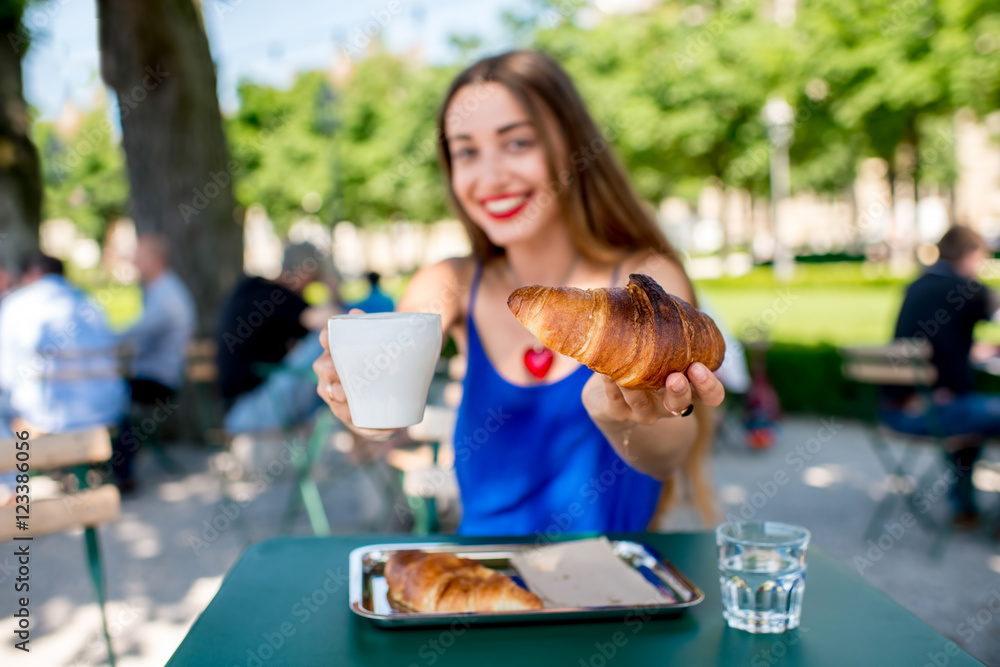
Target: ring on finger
<point>683,413</point>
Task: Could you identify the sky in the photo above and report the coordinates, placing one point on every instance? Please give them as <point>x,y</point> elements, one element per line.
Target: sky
<point>267,41</point>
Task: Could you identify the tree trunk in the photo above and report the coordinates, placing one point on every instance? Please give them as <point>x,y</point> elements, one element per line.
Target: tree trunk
<point>20,171</point>
<point>724,218</point>
<point>893,230</point>
<point>904,249</point>
<point>155,55</point>
<point>855,243</point>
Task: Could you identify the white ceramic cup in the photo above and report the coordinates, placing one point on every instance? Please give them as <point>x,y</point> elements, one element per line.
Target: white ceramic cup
<point>386,362</point>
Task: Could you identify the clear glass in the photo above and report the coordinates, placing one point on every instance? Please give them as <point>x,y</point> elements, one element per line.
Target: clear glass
<point>762,571</point>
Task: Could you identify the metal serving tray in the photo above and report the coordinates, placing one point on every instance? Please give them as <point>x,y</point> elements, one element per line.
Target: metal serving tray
<point>369,590</point>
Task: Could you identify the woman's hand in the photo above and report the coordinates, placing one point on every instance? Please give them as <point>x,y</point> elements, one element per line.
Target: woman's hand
<point>331,389</point>
<point>608,403</point>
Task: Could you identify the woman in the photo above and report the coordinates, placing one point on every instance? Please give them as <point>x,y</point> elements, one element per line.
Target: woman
<point>543,444</point>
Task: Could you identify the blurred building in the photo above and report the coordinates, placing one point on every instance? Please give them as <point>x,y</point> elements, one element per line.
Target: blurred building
<point>726,226</point>
<point>977,191</point>
<point>396,247</point>
<point>262,248</point>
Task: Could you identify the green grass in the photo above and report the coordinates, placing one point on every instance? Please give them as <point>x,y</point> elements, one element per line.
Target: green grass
<point>839,304</point>
<point>825,303</point>
<point>121,303</point>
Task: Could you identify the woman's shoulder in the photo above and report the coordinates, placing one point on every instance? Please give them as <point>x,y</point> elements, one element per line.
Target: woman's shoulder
<point>440,287</point>
<point>666,270</point>
<point>454,271</point>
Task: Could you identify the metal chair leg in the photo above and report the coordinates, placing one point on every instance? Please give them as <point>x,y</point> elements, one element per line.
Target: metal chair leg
<point>881,513</point>
<point>883,453</point>
<point>314,507</point>
<point>300,461</point>
<point>389,486</point>
<point>305,489</point>
<point>897,469</point>
<point>97,577</point>
<point>421,516</point>
<point>900,469</point>
<point>240,521</point>
<point>166,461</point>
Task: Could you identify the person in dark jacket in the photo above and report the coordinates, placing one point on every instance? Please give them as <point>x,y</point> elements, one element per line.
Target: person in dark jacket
<point>264,353</point>
<point>942,308</point>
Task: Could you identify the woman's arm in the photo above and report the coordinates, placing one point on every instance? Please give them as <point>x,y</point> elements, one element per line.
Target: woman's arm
<point>433,289</point>
<point>440,288</point>
<point>645,427</point>
<point>315,317</point>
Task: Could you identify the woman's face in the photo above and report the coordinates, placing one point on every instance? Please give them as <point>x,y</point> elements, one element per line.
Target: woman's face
<point>500,171</point>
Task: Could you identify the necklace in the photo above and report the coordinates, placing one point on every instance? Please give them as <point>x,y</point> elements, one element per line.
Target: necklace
<point>538,358</point>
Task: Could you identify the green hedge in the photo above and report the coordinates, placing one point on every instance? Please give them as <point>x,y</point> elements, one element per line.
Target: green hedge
<point>808,379</point>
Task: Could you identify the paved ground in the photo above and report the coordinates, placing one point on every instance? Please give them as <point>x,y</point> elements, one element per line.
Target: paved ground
<point>161,576</point>
<point>832,489</point>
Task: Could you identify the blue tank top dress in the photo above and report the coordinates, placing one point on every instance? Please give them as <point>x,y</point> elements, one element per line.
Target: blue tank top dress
<point>530,461</point>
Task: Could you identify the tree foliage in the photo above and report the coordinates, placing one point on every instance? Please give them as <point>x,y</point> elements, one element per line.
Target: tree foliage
<point>680,88</point>
<point>84,172</point>
<point>367,146</point>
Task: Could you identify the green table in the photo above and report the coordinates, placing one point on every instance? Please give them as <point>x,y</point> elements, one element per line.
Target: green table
<point>285,603</point>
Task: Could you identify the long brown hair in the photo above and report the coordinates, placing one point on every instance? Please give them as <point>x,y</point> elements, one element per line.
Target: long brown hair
<point>607,218</point>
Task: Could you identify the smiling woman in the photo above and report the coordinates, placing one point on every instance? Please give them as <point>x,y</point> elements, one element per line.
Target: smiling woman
<point>545,202</point>
<point>560,160</point>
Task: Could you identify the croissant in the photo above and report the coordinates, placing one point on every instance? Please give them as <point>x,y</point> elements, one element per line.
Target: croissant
<point>637,335</point>
<point>446,583</point>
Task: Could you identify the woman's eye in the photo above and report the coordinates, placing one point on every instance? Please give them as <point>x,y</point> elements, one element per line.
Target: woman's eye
<point>463,153</point>
<point>521,144</point>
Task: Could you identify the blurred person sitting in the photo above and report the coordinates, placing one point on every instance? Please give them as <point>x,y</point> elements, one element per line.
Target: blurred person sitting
<point>377,301</point>
<point>7,479</point>
<point>942,307</point>
<point>263,324</point>
<point>6,281</point>
<point>159,340</point>
<point>48,329</point>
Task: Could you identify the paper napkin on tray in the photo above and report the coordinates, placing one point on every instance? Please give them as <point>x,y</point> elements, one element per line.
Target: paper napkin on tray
<point>583,573</point>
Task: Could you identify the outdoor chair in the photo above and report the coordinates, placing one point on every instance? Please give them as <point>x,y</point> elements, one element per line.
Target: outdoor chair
<point>311,440</point>
<point>200,375</point>
<point>427,474</point>
<point>305,492</point>
<point>85,508</point>
<point>102,364</point>
<point>902,363</point>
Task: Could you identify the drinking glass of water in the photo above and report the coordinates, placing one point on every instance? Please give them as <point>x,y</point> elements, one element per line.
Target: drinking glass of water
<point>762,569</point>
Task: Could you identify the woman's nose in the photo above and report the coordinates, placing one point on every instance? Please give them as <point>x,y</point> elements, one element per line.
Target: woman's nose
<point>492,170</point>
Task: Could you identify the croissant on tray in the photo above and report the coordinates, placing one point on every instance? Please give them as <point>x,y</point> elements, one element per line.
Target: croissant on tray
<point>637,335</point>
<point>446,583</point>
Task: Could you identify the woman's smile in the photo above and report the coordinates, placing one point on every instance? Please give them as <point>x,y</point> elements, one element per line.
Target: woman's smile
<point>505,205</point>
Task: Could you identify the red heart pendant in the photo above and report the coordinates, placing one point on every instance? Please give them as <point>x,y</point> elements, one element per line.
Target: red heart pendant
<point>538,361</point>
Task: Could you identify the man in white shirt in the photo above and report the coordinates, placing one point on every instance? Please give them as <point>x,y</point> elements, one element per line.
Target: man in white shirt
<point>7,479</point>
<point>58,368</point>
<point>159,339</point>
